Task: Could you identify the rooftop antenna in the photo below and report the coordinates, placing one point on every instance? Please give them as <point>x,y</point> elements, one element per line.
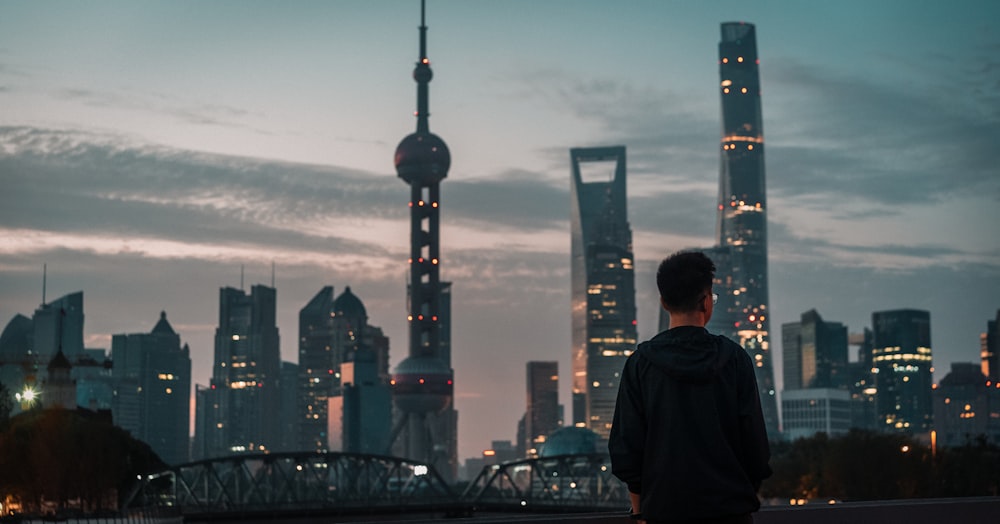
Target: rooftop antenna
<point>241,278</point>
<point>272,274</point>
<point>44,275</point>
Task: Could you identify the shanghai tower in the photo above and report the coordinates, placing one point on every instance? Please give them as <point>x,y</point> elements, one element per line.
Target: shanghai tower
<point>423,382</point>
<point>741,228</point>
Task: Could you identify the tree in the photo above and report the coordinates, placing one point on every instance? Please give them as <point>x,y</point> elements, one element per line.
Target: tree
<point>6,405</point>
<point>54,456</point>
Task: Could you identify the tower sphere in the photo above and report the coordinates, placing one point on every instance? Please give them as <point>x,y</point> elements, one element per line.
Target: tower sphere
<point>422,384</point>
<point>423,158</point>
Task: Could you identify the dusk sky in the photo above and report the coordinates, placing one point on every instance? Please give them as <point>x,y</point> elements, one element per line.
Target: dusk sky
<point>149,149</point>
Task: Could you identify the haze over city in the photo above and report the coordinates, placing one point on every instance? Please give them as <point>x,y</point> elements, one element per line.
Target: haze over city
<point>148,151</point>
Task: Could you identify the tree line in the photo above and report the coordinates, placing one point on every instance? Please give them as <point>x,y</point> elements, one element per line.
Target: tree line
<point>865,465</point>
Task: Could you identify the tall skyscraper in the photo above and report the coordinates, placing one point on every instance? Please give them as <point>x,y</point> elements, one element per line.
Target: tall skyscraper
<point>541,417</point>
<point>902,361</point>
<point>244,395</point>
<point>989,351</point>
<point>742,210</point>
<point>815,353</point>
<point>331,333</point>
<point>151,376</point>
<point>316,368</point>
<point>603,283</point>
<point>423,386</point>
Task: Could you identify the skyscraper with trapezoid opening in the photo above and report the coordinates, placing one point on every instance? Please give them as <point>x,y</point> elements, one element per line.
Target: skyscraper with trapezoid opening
<point>603,284</point>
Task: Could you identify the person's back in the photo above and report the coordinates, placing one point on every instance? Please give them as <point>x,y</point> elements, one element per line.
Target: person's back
<point>688,436</point>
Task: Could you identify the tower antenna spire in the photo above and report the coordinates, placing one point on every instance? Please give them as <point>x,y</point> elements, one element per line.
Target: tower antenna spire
<point>44,277</point>
<point>423,74</point>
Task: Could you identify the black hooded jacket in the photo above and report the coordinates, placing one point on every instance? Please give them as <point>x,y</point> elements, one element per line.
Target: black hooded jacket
<point>688,433</point>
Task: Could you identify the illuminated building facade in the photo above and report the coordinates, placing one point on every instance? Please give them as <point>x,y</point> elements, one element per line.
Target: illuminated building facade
<point>541,417</point>
<point>741,227</point>
<point>990,349</point>
<point>423,383</point>
<point>331,333</point>
<point>244,395</point>
<point>966,407</point>
<point>151,377</point>
<point>903,367</point>
<point>861,382</point>
<point>603,284</point>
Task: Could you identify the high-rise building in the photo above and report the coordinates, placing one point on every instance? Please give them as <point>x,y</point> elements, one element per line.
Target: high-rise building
<point>989,350</point>
<point>59,325</point>
<point>902,361</point>
<point>603,283</point>
<point>541,417</point>
<point>366,405</point>
<point>861,382</point>
<point>741,228</point>
<point>244,396</point>
<point>288,412</point>
<point>331,333</point>
<point>966,407</point>
<point>151,377</point>
<point>423,383</point>
<point>815,353</point>
<point>28,345</point>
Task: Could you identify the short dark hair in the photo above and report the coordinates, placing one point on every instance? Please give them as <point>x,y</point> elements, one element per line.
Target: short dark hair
<point>683,279</point>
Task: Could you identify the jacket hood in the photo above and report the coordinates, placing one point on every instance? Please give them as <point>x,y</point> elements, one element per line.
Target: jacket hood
<point>687,353</point>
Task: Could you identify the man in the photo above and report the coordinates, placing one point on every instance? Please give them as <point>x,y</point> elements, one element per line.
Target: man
<point>688,435</point>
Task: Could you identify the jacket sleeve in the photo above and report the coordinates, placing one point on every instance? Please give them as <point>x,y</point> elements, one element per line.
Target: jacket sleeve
<point>756,450</point>
<point>628,429</point>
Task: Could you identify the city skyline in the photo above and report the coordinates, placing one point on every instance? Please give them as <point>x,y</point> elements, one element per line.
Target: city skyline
<point>147,151</point>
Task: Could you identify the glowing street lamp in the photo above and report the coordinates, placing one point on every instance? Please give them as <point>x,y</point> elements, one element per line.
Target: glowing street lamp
<point>27,397</point>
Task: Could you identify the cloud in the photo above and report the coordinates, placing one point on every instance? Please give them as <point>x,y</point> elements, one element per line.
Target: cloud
<point>832,134</point>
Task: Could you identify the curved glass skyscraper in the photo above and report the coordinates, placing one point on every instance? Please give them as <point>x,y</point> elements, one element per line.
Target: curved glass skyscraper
<point>741,229</point>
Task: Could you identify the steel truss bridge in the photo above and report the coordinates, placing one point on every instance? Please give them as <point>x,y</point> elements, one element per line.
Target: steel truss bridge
<point>310,483</point>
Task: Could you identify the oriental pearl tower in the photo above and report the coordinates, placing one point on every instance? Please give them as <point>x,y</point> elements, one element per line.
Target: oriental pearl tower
<point>423,382</point>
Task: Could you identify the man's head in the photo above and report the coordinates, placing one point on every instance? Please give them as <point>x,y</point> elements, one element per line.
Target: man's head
<point>685,281</point>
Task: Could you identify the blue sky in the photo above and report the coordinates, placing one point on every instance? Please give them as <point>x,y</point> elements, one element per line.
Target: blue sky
<point>147,150</point>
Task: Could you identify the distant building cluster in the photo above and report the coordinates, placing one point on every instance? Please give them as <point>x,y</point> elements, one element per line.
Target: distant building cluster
<point>890,386</point>
<point>342,396</point>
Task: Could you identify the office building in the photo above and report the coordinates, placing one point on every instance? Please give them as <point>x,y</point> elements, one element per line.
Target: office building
<point>28,345</point>
<point>423,383</point>
<point>814,353</point>
<point>332,333</point>
<point>741,228</point>
<point>603,283</point>
<point>966,407</point>
<point>902,362</point>
<point>541,417</point>
<point>989,350</point>
<point>806,412</point>
<point>861,382</point>
<point>288,410</point>
<point>151,378</point>
<point>244,396</point>
<point>365,405</point>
